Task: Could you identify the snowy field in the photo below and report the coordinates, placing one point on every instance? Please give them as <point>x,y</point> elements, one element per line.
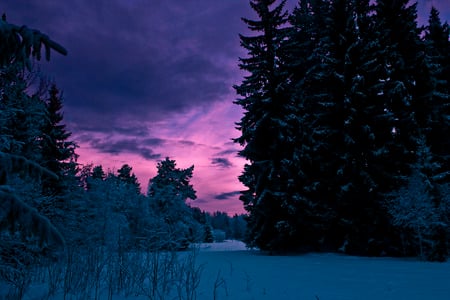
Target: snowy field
<point>230,271</point>
<point>250,275</point>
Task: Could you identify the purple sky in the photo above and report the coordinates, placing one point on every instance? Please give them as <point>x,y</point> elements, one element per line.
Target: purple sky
<point>148,79</point>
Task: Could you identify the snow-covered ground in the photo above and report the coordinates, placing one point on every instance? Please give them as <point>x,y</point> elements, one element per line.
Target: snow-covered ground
<point>227,245</point>
<point>250,275</point>
<point>230,271</point>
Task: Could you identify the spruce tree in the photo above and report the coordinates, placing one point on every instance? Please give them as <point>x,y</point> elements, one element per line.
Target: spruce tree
<point>342,109</point>
<point>407,88</point>
<point>306,56</point>
<point>58,152</point>
<point>438,119</point>
<point>436,125</point>
<point>18,45</point>
<point>266,129</point>
<point>400,59</point>
<point>362,131</point>
<point>23,114</point>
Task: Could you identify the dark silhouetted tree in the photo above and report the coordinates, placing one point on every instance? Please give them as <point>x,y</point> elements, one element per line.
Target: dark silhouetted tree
<point>266,128</point>
<point>58,152</point>
<point>18,45</point>
<point>125,175</point>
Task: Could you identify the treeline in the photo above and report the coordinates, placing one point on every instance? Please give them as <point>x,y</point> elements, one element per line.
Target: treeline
<point>83,202</point>
<point>80,222</point>
<point>219,226</point>
<point>346,128</point>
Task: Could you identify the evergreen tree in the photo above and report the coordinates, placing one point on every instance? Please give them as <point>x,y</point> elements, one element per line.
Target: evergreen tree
<point>337,107</point>
<point>19,45</point>
<point>173,180</point>
<point>98,173</point>
<point>58,153</point>
<point>357,226</point>
<point>221,221</point>
<point>22,114</point>
<point>334,199</point>
<point>167,193</point>
<point>414,98</point>
<point>312,88</point>
<point>437,122</point>
<point>201,217</point>
<point>266,128</point>
<point>238,227</point>
<point>125,175</point>
<point>419,212</point>
<point>400,58</point>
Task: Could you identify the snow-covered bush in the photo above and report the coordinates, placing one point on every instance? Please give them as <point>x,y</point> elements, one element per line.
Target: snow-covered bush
<point>415,214</point>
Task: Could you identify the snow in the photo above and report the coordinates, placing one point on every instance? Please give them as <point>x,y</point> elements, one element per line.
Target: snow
<point>326,276</point>
<point>227,245</point>
<point>251,275</point>
<point>231,271</point>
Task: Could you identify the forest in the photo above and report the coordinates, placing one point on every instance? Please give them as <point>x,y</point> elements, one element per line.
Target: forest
<point>346,129</point>
<point>54,209</point>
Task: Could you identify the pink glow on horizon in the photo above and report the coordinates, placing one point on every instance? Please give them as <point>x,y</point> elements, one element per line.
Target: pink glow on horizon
<point>192,138</point>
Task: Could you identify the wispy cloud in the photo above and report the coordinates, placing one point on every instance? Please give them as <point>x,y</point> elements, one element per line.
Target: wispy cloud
<point>226,196</point>
<point>126,146</point>
<point>221,162</point>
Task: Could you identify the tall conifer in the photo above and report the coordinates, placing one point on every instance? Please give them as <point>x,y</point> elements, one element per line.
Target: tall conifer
<point>266,133</point>
<point>58,152</point>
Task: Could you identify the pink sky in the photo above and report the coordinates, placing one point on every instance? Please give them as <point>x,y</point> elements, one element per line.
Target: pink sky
<point>212,132</point>
<point>148,79</point>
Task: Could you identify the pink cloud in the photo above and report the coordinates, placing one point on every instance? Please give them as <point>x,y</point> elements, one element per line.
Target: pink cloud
<point>195,137</point>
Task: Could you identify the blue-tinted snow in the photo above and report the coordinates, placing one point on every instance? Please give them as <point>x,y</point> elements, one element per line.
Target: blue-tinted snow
<point>233,272</point>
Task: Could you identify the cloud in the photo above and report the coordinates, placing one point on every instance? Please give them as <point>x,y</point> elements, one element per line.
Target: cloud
<point>198,201</point>
<point>125,145</point>
<point>186,143</point>
<point>228,152</point>
<point>148,79</point>
<point>226,196</point>
<point>221,162</point>
<point>137,59</point>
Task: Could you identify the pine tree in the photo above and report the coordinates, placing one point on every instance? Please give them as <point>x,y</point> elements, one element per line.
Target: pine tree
<point>167,193</point>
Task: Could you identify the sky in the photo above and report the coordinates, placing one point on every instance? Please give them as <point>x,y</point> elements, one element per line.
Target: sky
<point>149,79</point>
